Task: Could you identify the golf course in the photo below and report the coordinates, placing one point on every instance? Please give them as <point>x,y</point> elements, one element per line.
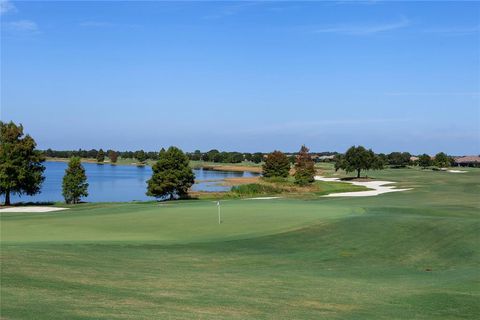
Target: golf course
<point>404,255</point>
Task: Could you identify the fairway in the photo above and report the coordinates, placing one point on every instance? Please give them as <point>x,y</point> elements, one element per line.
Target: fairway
<point>403,255</point>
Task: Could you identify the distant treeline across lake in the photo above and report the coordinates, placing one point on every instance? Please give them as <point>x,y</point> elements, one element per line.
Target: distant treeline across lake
<point>109,183</point>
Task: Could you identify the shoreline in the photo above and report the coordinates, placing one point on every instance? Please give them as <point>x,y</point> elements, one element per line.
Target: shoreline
<point>194,165</point>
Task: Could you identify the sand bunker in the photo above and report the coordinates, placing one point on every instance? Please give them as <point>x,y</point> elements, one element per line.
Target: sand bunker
<point>31,209</point>
<point>379,187</point>
<point>456,171</point>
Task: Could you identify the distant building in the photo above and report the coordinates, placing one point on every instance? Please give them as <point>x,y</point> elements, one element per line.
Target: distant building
<point>467,161</point>
<point>413,159</point>
<point>319,158</point>
<point>326,158</point>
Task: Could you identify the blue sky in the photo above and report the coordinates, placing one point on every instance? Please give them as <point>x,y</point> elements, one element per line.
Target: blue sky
<point>247,76</point>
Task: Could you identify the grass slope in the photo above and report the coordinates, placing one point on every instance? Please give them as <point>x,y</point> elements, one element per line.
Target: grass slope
<point>407,255</point>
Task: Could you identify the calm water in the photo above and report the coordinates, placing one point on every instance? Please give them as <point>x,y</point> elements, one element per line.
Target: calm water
<point>119,183</point>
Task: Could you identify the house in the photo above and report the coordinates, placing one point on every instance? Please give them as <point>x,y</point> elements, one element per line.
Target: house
<point>326,158</point>
<point>467,161</point>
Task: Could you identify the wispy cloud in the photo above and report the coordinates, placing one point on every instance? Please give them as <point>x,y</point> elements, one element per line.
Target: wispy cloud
<point>454,31</point>
<point>6,6</point>
<point>22,26</point>
<point>365,30</point>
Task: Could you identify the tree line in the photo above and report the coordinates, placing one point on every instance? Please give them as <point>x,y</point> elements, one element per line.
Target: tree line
<point>142,156</point>
<point>100,155</point>
<point>21,168</point>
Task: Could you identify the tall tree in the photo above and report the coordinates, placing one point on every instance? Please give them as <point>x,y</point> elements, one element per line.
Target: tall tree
<point>424,161</point>
<point>100,156</point>
<point>276,165</point>
<point>172,175</point>
<point>442,160</point>
<point>113,156</point>
<point>21,169</point>
<point>140,156</point>
<point>304,167</point>
<point>358,159</point>
<point>74,185</point>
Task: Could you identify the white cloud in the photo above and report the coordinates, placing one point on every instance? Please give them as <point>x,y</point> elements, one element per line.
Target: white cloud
<point>6,6</point>
<point>22,26</point>
<point>363,30</point>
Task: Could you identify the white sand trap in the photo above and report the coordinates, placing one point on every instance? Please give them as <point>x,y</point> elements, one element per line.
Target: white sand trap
<point>457,171</point>
<point>31,209</point>
<point>379,187</point>
<point>262,198</point>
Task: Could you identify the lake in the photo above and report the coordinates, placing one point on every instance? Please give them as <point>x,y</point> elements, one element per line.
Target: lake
<point>112,183</point>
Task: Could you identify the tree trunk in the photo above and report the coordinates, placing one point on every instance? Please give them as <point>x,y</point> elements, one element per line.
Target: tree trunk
<point>7,198</point>
<point>358,173</point>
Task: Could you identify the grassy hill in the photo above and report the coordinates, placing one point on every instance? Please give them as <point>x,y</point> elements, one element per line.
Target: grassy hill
<point>406,255</point>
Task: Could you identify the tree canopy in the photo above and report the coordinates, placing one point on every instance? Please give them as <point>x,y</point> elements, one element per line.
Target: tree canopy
<point>100,156</point>
<point>304,167</point>
<point>112,155</point>
<point>140,156</point>
<point>399,159</point>
<point>276,165</point>
<point>424,161</point>
<point>172,175</point>
<point>358,159</point>
<point>442,160</point>
<point>21,169</point>
<point>74,185</point>
<point>257,157</point>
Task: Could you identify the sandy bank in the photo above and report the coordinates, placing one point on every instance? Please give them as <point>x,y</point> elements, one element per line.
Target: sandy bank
<point>31,209</point>
<point>379,187</point>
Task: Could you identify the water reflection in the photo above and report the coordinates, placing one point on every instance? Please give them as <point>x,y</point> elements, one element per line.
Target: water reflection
<point>121,183</point>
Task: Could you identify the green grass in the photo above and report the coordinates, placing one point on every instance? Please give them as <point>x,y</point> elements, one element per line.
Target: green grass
<point>323,258</point>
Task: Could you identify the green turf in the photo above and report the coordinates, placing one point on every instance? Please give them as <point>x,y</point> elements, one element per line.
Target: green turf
<point>406,255</point>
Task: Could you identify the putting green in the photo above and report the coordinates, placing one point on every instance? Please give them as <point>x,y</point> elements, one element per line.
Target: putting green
<point>175,222</point>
